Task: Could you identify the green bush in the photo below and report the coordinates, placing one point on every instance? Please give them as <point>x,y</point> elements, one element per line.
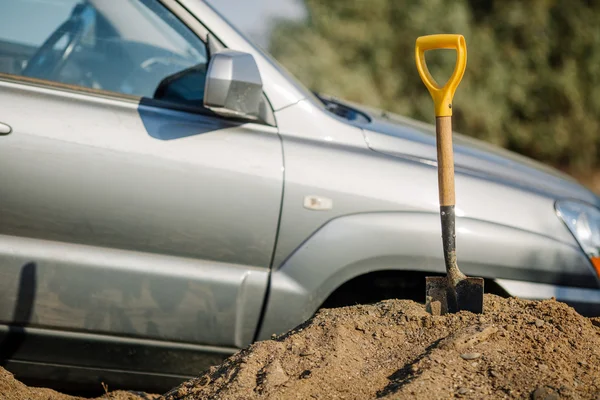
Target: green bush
<point>532,76</point>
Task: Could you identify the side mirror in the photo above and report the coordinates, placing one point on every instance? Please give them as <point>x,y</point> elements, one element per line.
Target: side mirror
<point>233,85</point>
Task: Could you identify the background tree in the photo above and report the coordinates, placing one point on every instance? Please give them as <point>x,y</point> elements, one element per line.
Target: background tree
<point>532,76</point>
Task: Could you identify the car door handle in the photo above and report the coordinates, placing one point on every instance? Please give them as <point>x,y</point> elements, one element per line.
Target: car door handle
<point>5,129</point>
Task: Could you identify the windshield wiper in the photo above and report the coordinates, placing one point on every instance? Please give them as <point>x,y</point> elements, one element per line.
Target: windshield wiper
<point>342,110</point>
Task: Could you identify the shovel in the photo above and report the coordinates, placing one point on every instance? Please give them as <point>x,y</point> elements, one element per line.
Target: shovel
<point>455,291</point>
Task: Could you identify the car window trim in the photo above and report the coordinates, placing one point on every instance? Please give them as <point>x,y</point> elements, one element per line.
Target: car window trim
<point>189,20</point>
<point>116,96</point>
<point>68,88</point>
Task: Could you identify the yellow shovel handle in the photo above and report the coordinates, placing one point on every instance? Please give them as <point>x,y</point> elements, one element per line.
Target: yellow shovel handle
<point>442,95</point>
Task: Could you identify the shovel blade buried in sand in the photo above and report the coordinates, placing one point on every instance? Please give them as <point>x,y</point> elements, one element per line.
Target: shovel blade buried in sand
<point>455,291</point>
<point>442,298</point>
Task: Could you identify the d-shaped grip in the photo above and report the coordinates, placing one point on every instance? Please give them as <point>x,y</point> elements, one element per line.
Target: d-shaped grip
<point>442,95</point>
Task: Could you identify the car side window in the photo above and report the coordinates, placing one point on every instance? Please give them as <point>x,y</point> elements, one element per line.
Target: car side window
<point>123,46</point>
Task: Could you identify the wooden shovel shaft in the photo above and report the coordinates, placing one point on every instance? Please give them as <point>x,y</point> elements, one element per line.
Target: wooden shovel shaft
<point>443,130</point>
<point>445,158</point>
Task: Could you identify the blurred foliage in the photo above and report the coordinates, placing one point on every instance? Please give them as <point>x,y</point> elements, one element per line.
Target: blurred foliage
<point>533,70</point>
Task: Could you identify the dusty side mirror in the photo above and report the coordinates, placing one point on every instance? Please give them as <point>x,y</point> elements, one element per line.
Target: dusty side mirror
<point>233,84</point>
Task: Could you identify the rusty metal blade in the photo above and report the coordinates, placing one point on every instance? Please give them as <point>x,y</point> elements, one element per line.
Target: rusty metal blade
<point>441,297</point>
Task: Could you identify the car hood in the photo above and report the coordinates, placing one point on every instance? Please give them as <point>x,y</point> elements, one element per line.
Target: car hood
<point>403,137</point>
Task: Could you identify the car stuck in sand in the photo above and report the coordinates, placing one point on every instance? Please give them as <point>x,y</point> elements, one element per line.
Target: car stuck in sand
<point>170,194</point>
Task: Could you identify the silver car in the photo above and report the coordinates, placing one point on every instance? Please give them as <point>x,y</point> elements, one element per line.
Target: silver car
<point>169,194</point>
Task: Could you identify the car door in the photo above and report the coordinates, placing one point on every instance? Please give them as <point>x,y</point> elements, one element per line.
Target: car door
<point>121,215</point>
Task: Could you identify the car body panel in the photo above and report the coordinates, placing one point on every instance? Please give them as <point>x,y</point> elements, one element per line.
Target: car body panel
<point>71,287</point>
<point>308,148</point>
<point>329,161</point>
<point>165,187</point>
<point>409,138</point>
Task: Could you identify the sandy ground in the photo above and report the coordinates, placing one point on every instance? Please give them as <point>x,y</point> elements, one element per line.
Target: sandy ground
<point>395,350</point>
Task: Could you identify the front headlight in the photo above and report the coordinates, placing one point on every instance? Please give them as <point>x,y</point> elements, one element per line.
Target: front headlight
<point>584,223</point>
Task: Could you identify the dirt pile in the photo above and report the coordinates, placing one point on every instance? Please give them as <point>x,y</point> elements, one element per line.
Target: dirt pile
<point>394,349</point>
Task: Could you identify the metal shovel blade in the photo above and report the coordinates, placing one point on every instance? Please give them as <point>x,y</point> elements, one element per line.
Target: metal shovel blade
<point>441,297</point>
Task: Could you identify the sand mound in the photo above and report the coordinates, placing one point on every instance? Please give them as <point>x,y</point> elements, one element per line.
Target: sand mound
<point>394,349</point>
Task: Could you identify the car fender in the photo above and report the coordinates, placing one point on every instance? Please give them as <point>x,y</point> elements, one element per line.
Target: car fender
<point>352,245</point>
